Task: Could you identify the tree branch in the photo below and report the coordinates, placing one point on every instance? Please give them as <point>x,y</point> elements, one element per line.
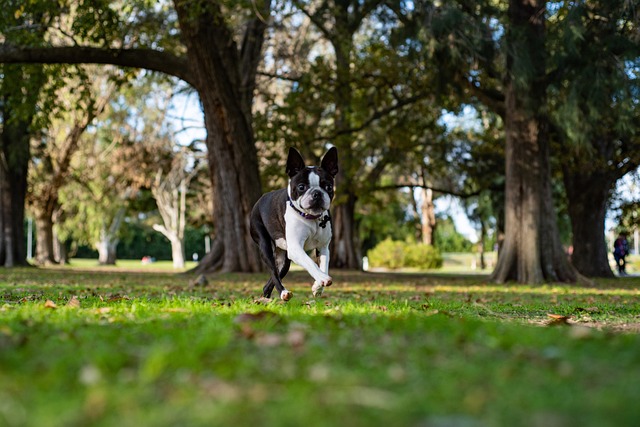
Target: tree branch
<point>375,116</point>
<point>428,187</point>
<point>149,59</point>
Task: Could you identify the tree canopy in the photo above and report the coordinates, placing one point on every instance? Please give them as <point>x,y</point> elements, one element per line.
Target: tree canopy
<point>505,105</point>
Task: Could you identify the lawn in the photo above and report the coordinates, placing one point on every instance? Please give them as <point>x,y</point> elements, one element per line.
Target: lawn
<point>111,347</point>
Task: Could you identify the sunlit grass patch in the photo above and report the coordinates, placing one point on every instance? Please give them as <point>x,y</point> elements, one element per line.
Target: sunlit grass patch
<point>377,349</point>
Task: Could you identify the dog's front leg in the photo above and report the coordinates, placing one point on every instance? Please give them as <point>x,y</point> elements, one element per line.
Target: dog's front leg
<point>297,254</point>
<point>318,286</point>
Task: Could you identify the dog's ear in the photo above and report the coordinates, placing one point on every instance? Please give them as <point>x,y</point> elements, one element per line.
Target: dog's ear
<point>330,162</point>
<point>295,162</point>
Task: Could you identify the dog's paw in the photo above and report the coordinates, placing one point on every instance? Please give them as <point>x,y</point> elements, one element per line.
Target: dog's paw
<point>317,289</point>
<point>286,295</point>
<point>323,279</point>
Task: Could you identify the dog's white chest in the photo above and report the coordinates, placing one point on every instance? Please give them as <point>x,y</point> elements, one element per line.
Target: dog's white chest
<point>311,234</point>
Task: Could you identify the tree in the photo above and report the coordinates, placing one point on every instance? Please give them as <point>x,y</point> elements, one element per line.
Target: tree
<point>595,116</point>
<point>338,22</point>
<point>170,192</point>
<point>19,119</point>
<point>358,92</point>
<point>221,70</point>
<point>77,106</point>
<point>531,252</point>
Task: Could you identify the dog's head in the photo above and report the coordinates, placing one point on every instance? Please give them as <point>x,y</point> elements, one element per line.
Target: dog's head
<point>311,188</point>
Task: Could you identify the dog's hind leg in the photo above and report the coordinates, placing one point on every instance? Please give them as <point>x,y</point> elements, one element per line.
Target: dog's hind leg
<point>282,265</point>
<point>267,250</point>
<point>268,288</point>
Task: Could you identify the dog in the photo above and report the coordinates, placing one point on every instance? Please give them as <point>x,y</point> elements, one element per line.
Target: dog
<point>288,222</point>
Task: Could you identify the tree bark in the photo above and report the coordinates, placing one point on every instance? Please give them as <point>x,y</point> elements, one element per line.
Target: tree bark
<point>109,239</point>
<point>427,217</point>
<point>44,239</point>
<point>224,78</point>
<point>531,251</point>
<point>14,163</point>
<point>344,250</point>
<point>345,254</point>
<point>588,194</point>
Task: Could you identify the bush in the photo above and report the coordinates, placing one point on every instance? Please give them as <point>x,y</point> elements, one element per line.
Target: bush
<point>395,254</point>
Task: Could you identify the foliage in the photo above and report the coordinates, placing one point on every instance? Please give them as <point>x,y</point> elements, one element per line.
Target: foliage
<point>384,215</point>
<point>139,240</point>
<point>144,349</point>
<point>448,239</point>
<point>393,254</point>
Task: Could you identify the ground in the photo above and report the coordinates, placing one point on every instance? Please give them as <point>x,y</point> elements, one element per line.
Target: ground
<point>111,347</point>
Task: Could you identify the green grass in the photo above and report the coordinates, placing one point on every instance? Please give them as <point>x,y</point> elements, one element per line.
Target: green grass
<point>146,349</point>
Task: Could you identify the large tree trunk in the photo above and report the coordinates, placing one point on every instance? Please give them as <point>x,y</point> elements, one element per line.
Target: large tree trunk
<point>107,247</point>
<point>531,251</point>
<point>427,217</point>
<point>108,243</point>
<point>44,239</point>
<point>225,79</point>
<point>177,252</point>
<point>344,251</point>
<point>14,162</point>
<point>12,194</point>
<point>588,194</point>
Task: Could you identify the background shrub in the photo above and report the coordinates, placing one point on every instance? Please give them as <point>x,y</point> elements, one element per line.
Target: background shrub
<point>394,254</point>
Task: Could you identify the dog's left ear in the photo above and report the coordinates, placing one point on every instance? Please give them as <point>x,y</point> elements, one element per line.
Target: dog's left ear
<point>330,162</point>
<point>295,162</point>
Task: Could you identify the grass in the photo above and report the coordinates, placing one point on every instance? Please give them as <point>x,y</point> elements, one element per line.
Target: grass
<point>110,347</point>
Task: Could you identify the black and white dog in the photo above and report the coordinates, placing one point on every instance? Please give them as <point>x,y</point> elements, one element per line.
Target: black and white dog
<point>288,222</point>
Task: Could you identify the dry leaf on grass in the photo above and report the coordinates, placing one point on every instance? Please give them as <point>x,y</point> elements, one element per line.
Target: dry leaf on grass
<point>74,302</point>
<point>557,319</point>
<point>50,304</point>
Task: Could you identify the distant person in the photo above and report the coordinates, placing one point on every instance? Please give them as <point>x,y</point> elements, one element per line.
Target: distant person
<point>620,251</point>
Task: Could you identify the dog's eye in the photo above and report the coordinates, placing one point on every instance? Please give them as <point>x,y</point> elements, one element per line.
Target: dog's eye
<point>328,187</point>
<point>302,187</point>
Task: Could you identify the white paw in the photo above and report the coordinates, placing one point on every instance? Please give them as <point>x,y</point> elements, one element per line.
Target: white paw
<point>286,295</point>
<point>323,280</point>
<point>317,289</point>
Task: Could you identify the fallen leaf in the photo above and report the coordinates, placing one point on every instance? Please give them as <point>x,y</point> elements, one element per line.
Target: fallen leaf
<point>74,302</point>
<point>557,319</point>
<point>103,310</point>
<point>263,300</point>
<point>50,304</point>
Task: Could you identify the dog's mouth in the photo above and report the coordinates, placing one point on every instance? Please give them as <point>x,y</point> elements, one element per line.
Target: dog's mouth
<point>314,206</point>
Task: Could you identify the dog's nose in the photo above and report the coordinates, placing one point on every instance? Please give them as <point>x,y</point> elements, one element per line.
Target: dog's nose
<point>317,195</point>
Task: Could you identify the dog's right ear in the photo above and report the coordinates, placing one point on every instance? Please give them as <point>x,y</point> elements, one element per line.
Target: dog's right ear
<point>295,162</point>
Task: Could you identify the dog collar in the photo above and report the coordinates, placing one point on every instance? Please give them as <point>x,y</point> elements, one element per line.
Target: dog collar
<point>303,214</point>
<point>310,217</point>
